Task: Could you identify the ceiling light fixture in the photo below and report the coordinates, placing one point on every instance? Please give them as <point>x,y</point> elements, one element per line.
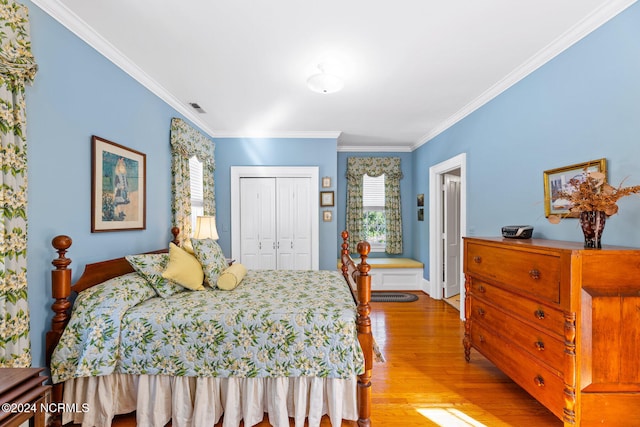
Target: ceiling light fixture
<point>324,82</point>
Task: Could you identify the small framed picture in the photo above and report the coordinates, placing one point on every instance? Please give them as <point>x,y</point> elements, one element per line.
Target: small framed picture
<point>421,199</point>
<point>327,216</point>
<point>421,214</point>
<point>326,198</point>
<point>326,182</point>
<point>118,190</point>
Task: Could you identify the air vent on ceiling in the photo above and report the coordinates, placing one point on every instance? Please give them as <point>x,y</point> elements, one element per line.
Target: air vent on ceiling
<point>197,107</point>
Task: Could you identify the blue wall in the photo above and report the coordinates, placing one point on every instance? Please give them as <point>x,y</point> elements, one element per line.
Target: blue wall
<point>582,105</point>
<point>275,152</point>
<point>407,198</point>
<point>78,93</point>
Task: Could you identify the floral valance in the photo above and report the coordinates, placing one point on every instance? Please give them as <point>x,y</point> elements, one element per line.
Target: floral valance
<point>374,166</point>
<point>16,60</point>
<point>190,142</point>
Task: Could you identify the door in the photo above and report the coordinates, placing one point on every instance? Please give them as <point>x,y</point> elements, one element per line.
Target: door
<point>451,235</point>
<point>306,227</point>
<point>276,223</point>
<point>258,223</point>
<point>294,224</point>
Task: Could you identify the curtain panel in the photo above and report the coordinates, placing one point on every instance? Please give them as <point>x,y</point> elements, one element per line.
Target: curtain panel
<point>17,69</point>
<point>187,142</point>
<point>357,167</point>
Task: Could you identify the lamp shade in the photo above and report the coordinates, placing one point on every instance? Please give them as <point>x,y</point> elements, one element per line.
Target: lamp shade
<point>206,228</point>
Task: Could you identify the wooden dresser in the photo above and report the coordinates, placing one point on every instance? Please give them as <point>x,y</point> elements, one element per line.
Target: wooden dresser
<point>562,321</point>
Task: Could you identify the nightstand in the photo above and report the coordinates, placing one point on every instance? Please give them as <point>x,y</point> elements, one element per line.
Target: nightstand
<point>22,396</point>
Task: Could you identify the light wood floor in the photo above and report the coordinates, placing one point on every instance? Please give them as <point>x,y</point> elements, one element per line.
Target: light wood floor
<point>426,381</point>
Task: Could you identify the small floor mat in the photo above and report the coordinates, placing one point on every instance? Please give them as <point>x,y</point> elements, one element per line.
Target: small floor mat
<point>393,297</point>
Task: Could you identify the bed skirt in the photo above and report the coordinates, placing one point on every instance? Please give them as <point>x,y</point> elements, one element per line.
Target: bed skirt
<point>200,402</point>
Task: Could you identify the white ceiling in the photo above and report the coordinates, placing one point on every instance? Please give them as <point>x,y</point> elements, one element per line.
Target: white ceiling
<point>412,67</point>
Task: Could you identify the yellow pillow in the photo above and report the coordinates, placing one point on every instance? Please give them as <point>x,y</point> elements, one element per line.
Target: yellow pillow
<point>186,245</point>
<point>231,277</point>
<point>184,269</point>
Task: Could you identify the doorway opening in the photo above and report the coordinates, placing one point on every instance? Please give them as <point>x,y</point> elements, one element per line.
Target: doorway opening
<point>447,226</point>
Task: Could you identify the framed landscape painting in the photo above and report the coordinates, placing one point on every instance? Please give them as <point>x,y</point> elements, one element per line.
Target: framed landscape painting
<point>118,187</point>
<point>558,179</point>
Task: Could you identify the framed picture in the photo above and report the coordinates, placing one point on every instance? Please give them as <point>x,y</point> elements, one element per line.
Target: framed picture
<point>327,216</point>
<point>558,179</point>
<point>421,199</point>
<point>326,182</point>
<point>118,187</point>
<point>326,198</point>
<point>420,214</point>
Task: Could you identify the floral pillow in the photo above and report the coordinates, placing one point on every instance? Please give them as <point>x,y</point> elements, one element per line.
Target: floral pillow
<point>151,267</point>
<point>210,255</point>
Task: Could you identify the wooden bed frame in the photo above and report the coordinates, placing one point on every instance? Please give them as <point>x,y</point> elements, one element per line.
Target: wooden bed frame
<point>357,278</point>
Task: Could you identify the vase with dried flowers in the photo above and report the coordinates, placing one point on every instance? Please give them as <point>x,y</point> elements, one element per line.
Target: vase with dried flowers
<point>594,201</point>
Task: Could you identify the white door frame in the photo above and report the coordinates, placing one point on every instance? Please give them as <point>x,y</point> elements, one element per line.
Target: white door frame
<point>435,224</point>
<point>238,172</point>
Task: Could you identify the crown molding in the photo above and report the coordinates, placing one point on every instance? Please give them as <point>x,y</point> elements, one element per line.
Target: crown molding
<point>589,24</point>
<point>375,148</point>
<point>281,134</point>
<point>80,28</point>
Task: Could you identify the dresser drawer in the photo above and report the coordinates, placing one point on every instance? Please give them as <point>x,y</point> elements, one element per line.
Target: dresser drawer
<point>542,316</point>
<point>539,345</point>
<point>542,384</point>
<point>535,273</point>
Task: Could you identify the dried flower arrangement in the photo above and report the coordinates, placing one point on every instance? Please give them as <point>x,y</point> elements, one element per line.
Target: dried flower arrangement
<point>590,192</point>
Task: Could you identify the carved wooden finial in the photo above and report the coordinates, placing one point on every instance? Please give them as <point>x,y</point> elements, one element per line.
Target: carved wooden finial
<point>363,249</point>
<point>61,244</point>
<point>175,231</point>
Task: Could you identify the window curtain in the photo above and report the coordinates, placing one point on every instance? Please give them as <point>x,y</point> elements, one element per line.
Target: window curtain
<point>187,142</point>
<point>357,167</point>
<point>17,69</point>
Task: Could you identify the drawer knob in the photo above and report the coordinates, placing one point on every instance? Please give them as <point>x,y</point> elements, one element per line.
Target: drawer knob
<point>482,289</point>
<point>481,312</point>
<point>477,259</point>
<point>534,274</point>
<point>539,313</point>
<point>539,381</point>
<point>539,345</point>
<point>481,338</point>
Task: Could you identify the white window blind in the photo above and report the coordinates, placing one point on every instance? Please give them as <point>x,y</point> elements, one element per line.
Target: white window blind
<point>197,194</point>
<point>373,193</point>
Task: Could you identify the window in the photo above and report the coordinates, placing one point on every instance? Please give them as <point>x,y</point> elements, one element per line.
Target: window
<point>374,226</point>
<point>197,193</point>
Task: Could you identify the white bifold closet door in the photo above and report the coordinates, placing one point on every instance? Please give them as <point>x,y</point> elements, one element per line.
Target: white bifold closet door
<point>275,223</point>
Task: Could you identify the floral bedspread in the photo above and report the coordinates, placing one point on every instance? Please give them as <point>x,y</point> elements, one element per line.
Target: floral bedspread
<point>274,324</point>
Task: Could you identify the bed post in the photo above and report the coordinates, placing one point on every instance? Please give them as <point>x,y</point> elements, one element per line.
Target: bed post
<point>60,291</point>
<point>365,336</point>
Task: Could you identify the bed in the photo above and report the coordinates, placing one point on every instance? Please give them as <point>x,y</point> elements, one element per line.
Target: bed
<point>295,345</point>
